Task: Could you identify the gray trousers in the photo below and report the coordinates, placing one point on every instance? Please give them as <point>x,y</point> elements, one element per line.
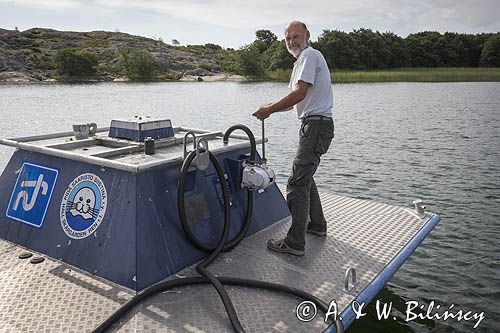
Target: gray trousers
<point>315,137</point>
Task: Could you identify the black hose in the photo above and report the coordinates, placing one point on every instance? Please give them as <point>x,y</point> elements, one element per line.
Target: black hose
<point>201,268</point>
<point>251,137</point>
<point>182,210</point>
<point>181,202</point>
<point>248,214</point>
<point>165,285</point>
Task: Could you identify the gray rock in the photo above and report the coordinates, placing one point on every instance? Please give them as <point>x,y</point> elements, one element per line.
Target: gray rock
<point>198,72</point>
<point>16,77</point>
<point>32,52</point>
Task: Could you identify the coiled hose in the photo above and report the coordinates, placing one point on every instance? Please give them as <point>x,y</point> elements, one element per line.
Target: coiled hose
<point>207,277</point>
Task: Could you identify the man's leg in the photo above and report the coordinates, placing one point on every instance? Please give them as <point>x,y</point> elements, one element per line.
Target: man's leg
<point>310,148</point>
<point>318,221</point>
<point>317,224</point>
<point>299,204</point>
<point>304,166</point>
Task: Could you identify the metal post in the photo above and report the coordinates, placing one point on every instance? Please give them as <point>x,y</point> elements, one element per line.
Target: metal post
<point>263,144</point>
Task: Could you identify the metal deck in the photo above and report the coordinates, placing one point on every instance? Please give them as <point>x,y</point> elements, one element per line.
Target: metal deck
<point>372,237</point>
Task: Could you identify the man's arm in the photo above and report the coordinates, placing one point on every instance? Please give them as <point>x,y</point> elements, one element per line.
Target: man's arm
<point>284,104</point>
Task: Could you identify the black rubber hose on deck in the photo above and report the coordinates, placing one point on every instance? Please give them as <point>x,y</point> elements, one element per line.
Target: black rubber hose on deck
<point>201,268</point>
<point>208,278</point>
<point>165,285</point>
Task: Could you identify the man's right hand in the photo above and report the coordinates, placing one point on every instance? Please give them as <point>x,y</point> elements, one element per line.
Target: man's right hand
<point>263,112</point>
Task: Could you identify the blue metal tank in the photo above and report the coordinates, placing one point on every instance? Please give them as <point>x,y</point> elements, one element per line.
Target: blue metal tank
<point>101,204</point>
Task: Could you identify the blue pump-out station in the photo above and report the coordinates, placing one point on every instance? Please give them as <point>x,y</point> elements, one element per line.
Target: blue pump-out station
<point>109,206</point>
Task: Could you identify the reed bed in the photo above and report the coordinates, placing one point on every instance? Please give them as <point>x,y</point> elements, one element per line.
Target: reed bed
<point>440,74</point>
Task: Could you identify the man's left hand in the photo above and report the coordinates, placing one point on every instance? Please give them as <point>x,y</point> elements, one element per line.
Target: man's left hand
<point>263,112</point>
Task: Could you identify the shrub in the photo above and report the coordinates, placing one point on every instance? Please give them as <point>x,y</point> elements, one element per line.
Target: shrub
<point>138,64</point>
<point>76,62</point>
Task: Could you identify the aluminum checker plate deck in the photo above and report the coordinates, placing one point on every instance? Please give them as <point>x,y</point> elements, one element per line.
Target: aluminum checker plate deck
<point>369,236</point>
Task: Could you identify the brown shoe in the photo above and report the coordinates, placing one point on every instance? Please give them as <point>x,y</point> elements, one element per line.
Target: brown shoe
<point>279,245</point>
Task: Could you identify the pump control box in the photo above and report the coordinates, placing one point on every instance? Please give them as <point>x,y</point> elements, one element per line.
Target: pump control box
<point>139,128</point>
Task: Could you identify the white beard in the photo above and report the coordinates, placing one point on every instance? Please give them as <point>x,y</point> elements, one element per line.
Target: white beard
<point>296,50</point>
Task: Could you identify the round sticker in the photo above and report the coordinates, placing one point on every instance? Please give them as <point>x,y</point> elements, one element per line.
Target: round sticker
<point>83,206</point>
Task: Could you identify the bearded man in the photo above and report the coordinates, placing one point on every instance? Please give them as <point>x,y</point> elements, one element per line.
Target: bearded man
<point>312,98</point>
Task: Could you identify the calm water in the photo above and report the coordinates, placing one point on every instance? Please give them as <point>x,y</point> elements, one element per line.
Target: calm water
<point>393,143</point>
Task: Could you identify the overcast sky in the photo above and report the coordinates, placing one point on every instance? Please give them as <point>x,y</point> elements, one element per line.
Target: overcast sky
<point>233,23</point>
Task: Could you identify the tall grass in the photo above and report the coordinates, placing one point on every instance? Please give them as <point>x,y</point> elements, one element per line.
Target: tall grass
<point>441,74</point>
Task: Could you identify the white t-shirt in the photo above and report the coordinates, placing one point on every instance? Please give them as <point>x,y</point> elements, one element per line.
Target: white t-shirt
<point>311,68</point>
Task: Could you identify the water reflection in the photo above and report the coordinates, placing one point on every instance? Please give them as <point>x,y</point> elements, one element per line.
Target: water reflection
<point>394,142</point>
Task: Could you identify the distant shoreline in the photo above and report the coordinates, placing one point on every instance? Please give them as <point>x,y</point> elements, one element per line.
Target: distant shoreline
<point>439,74</point>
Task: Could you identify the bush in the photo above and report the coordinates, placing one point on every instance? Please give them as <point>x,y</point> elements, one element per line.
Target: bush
<point>138,64</point>
<point>76,62</point>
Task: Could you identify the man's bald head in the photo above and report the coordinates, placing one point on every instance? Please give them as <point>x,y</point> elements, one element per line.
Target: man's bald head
<point>297,24</point>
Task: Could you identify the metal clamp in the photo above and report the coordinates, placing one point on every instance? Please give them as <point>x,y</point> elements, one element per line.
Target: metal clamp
<point>202,159</point>
<point>350,274</point>
<point>188,133</point>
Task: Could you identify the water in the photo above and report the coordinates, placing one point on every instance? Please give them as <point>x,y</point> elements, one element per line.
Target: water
<point>394,142</point>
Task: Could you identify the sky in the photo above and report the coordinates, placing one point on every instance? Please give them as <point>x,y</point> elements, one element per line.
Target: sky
<point>233,23</point>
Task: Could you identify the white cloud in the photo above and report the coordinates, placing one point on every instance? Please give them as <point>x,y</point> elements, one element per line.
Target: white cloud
<point>197,20</point>
<point>46,4</point>
<point>400,16</point>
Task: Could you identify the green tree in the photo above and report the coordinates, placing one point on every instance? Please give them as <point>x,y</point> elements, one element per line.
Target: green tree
<point>248,61</point>
<point>372,51</point>
<point>226,59</point>
<point>398,53</point>
<point>277,57</point>
<point>139,64</point>
<point>423,47</point>
<point>490,55</point>
<point>339,49</point>
<point>471,49</point>
<point>266,36</point>
<point>76,62</point>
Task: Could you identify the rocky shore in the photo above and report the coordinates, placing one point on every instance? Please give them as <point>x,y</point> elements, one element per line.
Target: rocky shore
<point>28,56</point>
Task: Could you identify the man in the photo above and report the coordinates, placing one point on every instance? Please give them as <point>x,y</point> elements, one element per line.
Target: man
<point>311,96</point>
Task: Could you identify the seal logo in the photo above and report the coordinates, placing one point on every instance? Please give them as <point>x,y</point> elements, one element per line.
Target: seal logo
<point>83,206</point>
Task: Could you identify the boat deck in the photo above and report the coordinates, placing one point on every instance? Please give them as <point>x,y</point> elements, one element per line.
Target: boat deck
<point>371,237</point>
<point>123,154</point>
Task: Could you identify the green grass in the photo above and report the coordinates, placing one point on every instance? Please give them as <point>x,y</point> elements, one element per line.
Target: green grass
<point>440,74</point>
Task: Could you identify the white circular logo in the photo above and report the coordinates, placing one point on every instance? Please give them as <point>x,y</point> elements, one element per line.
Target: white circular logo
<point>83,206</point>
